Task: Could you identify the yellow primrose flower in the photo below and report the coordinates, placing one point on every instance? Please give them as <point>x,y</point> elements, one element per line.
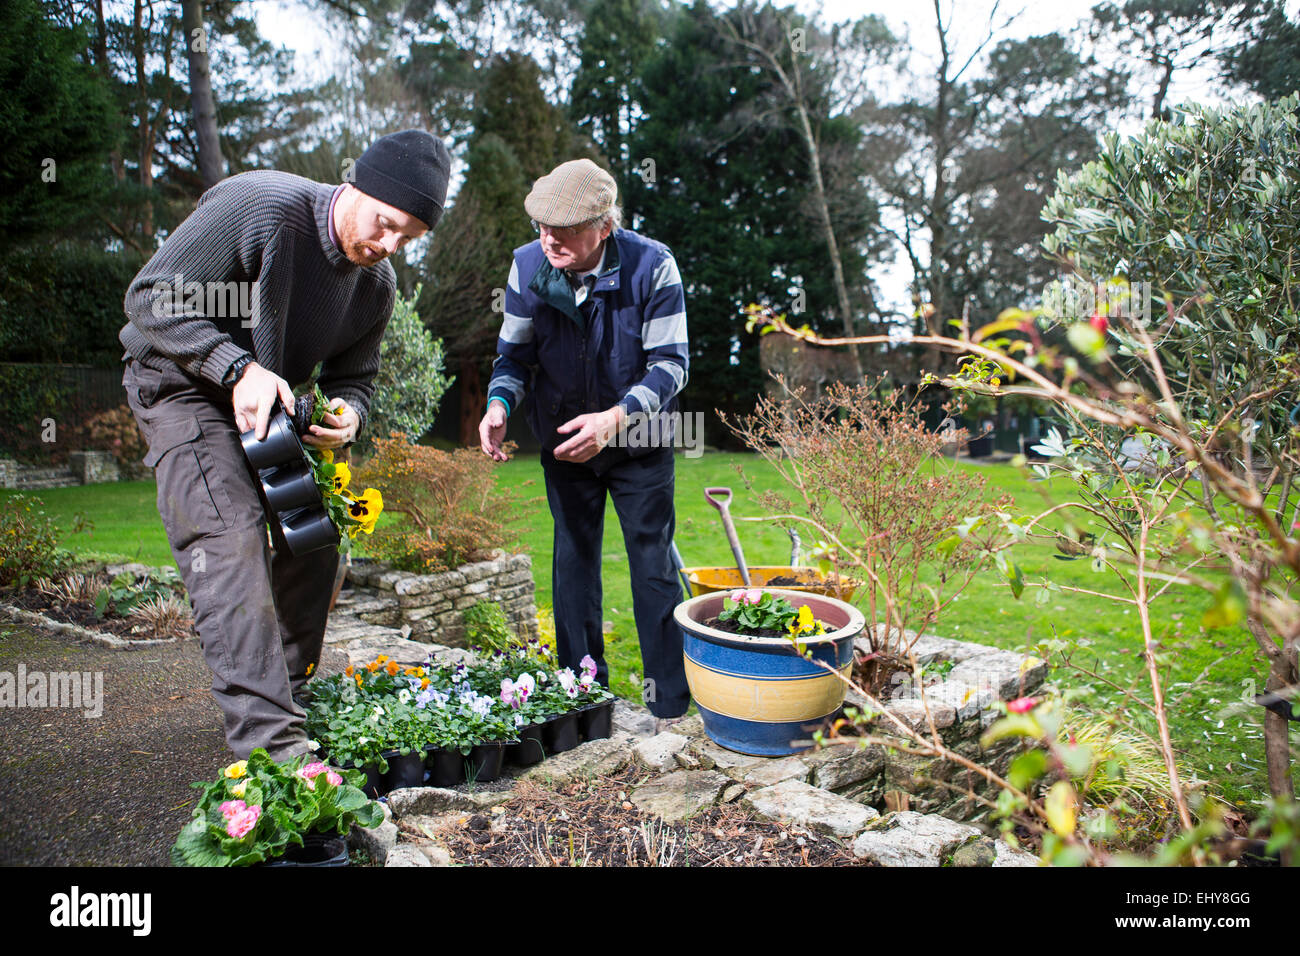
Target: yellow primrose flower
<point>237,769</point>
<point>342,475</point>
<point>239,788</point>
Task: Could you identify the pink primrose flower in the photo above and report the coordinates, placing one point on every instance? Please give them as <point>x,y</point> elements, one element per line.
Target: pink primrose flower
<point>242,823</point>
<point>1022,705</point>
<point>232,807</point>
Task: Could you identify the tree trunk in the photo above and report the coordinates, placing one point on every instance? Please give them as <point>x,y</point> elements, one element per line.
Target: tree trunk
<point>212,166</point>
<point>472,400</point>
<point>145,141</point>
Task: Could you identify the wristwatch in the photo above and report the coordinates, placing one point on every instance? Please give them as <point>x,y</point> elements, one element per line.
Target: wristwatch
<point>236,370</point>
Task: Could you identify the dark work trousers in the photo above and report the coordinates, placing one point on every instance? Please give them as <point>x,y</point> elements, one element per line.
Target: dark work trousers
<point>260,617</point>
<point>642,490</point>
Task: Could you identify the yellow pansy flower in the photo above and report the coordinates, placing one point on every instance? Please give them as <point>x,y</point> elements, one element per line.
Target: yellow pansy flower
<point>342,475</point>
<point>366,510</point>
<point>803,623</point>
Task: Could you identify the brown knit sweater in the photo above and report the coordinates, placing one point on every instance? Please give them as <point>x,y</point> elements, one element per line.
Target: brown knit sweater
<point>195,304</point>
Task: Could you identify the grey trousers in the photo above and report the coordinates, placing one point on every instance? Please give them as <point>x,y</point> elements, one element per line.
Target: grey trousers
<point>260,615</point>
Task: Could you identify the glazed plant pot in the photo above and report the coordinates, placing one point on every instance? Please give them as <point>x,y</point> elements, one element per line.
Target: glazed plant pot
<point>281,446</point>
<point>529,749</point>
<point>483,765</point>
<point>757,695</point>
<point>308,529</point>
<point>596,721</point>
<point>290,486</point>
<point>446,767</point>
<point>560,733</point>
<point>404,770</point>
<point>318,849</point>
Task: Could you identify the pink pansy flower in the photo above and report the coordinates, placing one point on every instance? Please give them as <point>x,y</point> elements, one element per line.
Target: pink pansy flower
<point>242,823</point>
<point>508,692</point>
<point>588,667</point>
<point>1022,705</point>
<point>568,682</point>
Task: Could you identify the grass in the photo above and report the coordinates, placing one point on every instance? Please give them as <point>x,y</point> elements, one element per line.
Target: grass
<point>1210,673</point>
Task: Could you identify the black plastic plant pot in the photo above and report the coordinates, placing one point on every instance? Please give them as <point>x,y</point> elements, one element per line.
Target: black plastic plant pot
<point>561,733</point>
<point>404,770</point>
<point>529,749</point>
<point>596,721</point>
<point>446,768</point>
<point>307,530</point>
<point>318,849</point>
<point>289,487</point>
<point>281,446</point>
<point>374,785</point>
<point>483,765</point>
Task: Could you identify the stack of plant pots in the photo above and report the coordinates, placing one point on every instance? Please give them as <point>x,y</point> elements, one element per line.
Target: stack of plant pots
<point>290,485</point>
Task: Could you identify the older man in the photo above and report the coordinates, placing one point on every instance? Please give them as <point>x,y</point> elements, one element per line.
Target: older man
<point>308,259</point>
<point>595,335</point>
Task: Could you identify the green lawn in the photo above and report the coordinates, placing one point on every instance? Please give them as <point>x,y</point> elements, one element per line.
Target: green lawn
<point>1220,739</point>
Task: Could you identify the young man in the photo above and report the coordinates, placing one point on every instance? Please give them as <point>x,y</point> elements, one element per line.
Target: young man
<point>595,334</point>
<point>308,261</point>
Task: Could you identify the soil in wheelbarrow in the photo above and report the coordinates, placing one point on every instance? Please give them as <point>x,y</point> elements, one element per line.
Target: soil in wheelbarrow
<point>791,581</point>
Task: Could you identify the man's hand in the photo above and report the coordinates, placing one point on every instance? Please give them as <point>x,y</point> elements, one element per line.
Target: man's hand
<point>491,430</point>
<point>336,428</point>
<point>594,431</point>
<point>254,398</point>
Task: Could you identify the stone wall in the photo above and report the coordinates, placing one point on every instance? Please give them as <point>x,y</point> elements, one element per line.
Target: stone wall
<point>961,708</point>
<point>433,604</point>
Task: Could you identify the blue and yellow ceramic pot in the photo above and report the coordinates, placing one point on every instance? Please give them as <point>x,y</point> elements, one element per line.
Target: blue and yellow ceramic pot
<point>756,695</point>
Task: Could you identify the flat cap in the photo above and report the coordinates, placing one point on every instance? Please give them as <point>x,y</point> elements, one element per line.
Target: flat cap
<point>572,193</point>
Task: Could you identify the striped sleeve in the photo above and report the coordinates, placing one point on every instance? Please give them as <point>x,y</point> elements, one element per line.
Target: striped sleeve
<point>664,342</point>
<point>516,350</point>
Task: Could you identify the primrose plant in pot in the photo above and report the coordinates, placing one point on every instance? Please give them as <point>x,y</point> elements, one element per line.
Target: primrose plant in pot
<point>767,667</point>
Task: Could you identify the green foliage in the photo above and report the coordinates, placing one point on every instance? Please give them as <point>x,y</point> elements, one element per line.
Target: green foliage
<point>128,591</point>
<point>291,799</point>
<point>63,303</point>
<point>764,613</point>
<point>1204,209</point>
<point>486,626</point>
<point>410,384</point>
<point>731,195</point>
<point>29,542</point>
<point>59,123</point>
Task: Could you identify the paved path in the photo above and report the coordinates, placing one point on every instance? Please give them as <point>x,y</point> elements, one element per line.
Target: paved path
<point>112,790</point>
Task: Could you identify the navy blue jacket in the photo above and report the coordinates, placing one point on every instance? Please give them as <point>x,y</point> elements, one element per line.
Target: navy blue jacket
<point>632,350</point>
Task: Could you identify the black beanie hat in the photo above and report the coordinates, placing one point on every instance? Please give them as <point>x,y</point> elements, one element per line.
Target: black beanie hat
<point>409,170</point>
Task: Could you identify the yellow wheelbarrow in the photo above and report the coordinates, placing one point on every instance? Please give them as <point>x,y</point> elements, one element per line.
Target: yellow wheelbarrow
<point>791,577</point>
